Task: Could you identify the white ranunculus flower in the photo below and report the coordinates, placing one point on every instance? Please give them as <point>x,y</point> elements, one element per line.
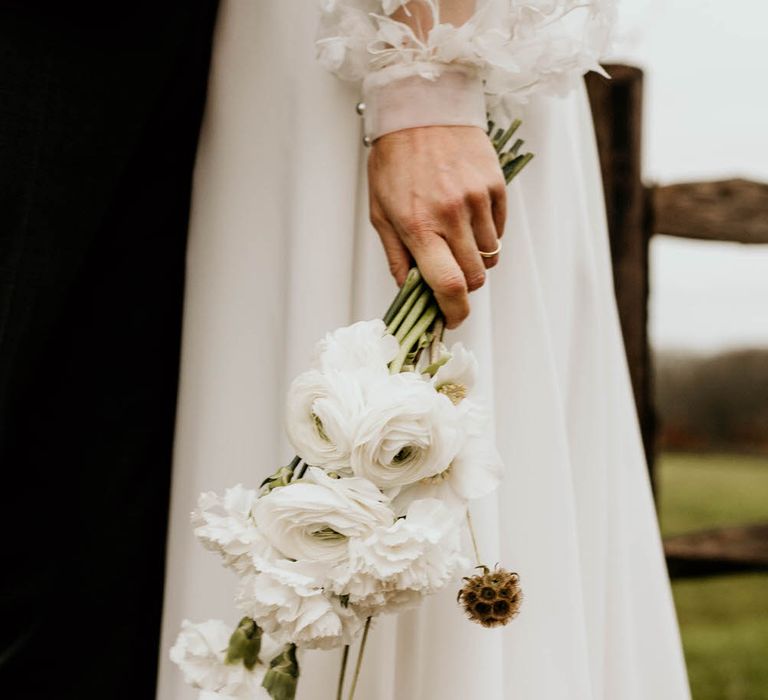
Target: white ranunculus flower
<point>287,603</point>
<point>224,524</point>
<point>200,651</point>
<point>397,565</point>
<point>323,409</point>
<point>408,432</point>
<point>313,519</point>
<point>363,345</point>
<point>474,472</point>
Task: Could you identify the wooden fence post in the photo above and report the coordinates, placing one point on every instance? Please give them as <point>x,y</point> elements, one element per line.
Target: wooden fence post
<point>617,110</point>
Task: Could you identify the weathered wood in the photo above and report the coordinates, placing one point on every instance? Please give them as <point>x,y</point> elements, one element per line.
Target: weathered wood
<point>728,210</point>
<point>723,550</point>
<point>617,111</point>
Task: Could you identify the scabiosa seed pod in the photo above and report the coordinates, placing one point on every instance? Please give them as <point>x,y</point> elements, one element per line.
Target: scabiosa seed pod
<point>492,598</point>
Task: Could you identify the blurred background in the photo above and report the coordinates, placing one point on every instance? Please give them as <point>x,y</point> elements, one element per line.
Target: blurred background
<point>704,118</point>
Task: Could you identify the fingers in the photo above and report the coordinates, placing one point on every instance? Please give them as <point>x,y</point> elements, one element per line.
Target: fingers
<point>498,194</point>
<point>484,229</point>
<point>398,257</point>
<point>446,248</point>
<point>441,271</point>
<point>461,240</point>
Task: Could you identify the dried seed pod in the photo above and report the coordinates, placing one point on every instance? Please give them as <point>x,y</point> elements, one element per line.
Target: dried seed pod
<point>492,598</point>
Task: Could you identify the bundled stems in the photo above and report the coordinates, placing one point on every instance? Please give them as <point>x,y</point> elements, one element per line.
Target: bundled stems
<point>414,314</point>
<point>510,160</point>
<point>421,326</point>
<point>410,317</point>
<point>405,306</point>
<point>412,280</point>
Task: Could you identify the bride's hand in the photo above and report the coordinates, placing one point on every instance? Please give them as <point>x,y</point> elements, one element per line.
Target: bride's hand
<point>437,196</point>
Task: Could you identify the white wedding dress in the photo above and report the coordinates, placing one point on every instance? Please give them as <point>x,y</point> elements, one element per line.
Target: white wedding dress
<point>281,251</point>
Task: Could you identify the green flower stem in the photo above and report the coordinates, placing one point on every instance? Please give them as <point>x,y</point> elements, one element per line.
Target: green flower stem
<point>510,160</point>
<point>359,663</point>
<point>516,165</point>
<point>425,298</point>
<point>422,324</point>
<point>437,338</point>
<point>473,537</point>
<point>411,282</point>
<point>405,308</point>
<point>342,673</point>
<point>500,142</point>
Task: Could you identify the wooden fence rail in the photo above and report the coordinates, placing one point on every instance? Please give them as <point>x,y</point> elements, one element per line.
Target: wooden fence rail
<point>729,210</point>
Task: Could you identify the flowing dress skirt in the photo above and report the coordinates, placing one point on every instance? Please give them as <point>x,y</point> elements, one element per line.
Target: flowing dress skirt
<point>281,251</point>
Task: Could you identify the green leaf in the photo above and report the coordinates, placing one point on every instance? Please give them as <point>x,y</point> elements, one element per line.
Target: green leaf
<point>431,370</point>
<point>282,477</point>
<point>244,644</point>
<point>283,675</point>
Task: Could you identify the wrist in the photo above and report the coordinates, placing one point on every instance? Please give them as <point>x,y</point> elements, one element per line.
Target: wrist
<point>398,97</point>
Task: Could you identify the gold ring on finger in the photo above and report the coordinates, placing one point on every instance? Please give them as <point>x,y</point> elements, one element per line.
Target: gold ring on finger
<point>492,253</point>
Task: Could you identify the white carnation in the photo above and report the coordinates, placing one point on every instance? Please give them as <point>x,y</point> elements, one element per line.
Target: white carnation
<point>397,565</point>
<point>362,345</point>
<point>409,432</point>
<point>287,603</point>
<point>200,651</point>
<point>314,518</point>
<point>225,525</point>
<point>323,409</point>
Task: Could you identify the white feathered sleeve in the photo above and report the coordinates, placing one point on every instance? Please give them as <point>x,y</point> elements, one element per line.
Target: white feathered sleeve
<point>506,51</point>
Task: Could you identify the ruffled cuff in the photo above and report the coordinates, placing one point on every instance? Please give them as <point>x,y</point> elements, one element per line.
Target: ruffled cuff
<point>429,94</point>
<point>518,48</point>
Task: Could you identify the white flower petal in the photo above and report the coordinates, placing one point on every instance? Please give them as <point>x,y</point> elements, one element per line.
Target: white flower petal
<point>461,369</point>
<point>363,345</point>
<point>408,432</point>
<point>396,566</point>
<point>224,524</point>
<point>323,409</point>
<point>313,519</point>
<point>200,651</point>
<point>308,617</point>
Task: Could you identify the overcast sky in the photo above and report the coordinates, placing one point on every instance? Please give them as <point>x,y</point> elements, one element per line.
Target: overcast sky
<point>706,117</point>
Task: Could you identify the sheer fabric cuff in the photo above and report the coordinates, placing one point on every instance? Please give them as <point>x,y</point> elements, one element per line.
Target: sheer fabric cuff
<point>404,97</point>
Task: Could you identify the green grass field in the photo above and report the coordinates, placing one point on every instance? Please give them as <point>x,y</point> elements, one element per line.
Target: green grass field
<point>724,619</point>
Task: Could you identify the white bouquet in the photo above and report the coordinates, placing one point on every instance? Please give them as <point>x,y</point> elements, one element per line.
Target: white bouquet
<point>368,518</point>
